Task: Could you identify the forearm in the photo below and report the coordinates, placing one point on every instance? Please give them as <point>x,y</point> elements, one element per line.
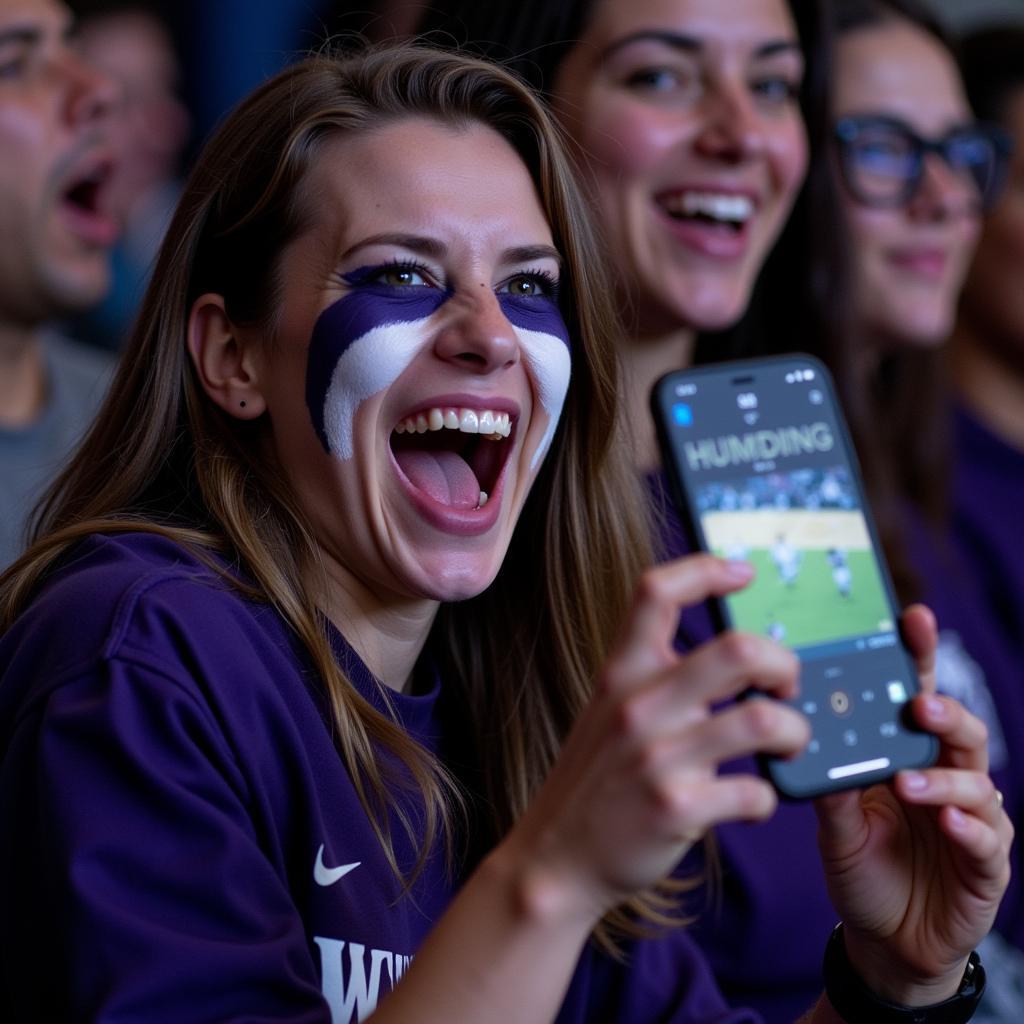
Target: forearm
<point>505,950</point>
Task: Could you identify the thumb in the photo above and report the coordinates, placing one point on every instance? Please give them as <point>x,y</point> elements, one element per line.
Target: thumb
<point>842,826</point>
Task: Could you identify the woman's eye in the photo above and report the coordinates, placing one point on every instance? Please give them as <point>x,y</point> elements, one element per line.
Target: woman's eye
<point>401,277</point>
<point>655,79</point>
<point>12,68</point>
<point>776,90</point>
<point>528,286</point>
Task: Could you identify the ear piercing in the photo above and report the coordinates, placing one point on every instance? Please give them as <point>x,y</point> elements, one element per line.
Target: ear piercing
<point>242,403</point>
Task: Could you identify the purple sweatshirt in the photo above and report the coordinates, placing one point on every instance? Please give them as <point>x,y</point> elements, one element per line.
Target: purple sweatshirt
<point>988,501</point>
<point>765,931</point>
<point>181,840</point>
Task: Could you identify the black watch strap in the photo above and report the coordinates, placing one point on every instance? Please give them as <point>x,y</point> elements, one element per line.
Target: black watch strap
<point>857,1004</point>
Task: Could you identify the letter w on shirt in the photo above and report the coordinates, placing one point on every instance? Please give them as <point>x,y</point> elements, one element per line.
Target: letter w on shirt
<point>354,998</point>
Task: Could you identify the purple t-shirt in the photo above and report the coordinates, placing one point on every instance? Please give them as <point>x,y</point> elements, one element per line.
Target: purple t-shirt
<point>765,931</point>
<point>988,501</point>
<point>181,840</point>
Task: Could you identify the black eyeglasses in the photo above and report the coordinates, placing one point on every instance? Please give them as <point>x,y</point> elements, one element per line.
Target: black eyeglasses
<point>882,159</point>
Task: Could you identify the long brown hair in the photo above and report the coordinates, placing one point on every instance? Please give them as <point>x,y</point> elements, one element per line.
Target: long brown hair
<point>519,659</point>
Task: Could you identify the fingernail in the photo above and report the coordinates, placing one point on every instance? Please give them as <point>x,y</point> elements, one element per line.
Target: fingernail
<point>957,818</point>
<point>935,707</point>
<point>915,782</point>
<point>739,570</point>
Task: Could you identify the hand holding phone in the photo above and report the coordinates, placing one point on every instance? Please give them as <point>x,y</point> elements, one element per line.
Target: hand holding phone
<point>762,468</point>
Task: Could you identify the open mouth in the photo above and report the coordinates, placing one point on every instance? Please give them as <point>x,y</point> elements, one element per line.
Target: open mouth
<point>454,455</point>
<point>84,200</point>
<point>729,211</point>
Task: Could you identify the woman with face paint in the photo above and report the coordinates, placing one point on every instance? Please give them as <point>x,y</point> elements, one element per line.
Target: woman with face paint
<point>334,688</point>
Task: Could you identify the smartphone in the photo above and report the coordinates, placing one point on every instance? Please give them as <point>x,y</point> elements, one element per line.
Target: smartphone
<point>762,469</point>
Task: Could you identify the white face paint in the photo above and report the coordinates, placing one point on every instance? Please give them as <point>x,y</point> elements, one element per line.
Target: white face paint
<point>368,366</point>
<point>550,366</point>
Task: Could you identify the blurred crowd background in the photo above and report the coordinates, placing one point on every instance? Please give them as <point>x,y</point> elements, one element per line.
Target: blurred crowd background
<point>184,63</point>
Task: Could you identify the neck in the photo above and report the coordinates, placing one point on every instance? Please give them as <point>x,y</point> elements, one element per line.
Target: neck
<point>645,359</point>
<point>22,376</point>
<point>992,386</point>
<point>387,633</point>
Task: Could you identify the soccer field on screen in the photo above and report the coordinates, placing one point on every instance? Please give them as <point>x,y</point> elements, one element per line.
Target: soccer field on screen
<point>811,610</point>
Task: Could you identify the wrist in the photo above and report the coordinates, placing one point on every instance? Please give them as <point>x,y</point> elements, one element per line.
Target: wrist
<point>537,894</point>
<point>877,997</point>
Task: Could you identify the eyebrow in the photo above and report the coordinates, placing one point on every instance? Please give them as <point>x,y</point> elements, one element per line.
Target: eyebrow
<point>692,44</point>
<point>33,35</point>
<point>23,35</point>
<point>436,249</point>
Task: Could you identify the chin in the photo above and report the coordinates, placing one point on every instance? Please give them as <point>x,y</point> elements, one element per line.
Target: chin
<point>712,312</point>
<point>75,291</point>
<point>453,579</point>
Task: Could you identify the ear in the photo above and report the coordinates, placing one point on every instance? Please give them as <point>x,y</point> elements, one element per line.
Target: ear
<point>223,359</point>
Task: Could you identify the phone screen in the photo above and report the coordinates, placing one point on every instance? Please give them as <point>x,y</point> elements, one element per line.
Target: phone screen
<point>761,456</point>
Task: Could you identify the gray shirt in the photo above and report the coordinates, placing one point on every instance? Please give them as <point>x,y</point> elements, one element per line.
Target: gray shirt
<point>31,456</point>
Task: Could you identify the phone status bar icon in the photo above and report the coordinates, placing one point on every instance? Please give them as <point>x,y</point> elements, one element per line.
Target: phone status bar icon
<point>682,414</point>
<point>798,376</point>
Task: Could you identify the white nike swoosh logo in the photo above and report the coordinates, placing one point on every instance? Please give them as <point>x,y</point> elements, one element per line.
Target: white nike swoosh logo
<point>324,875</point>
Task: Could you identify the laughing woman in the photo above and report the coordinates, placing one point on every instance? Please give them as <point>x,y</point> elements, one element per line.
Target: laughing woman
<point>312,668</point>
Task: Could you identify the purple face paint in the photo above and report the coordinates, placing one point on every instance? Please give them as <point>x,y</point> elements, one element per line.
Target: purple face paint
<point>538,313</point>
<point>361,319</point>
<point>362,343</point>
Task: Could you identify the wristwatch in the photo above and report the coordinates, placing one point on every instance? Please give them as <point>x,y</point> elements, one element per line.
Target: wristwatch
<point>857,1004</point>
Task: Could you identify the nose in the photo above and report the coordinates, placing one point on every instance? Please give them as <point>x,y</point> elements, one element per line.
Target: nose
<point>91,94</point>
<point>731,129</point>
<point>943,192</point>
<point>476,335</point>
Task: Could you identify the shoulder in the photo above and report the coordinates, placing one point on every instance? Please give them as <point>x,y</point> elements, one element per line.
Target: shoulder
<point>138,598</point>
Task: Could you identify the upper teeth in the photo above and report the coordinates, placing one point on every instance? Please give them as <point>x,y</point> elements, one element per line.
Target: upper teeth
<point>711,204</point>
<point>492,425</point>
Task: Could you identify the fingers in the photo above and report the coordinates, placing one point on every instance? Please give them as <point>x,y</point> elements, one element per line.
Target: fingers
<point>680,695</point>
<point>646,642</point>
<point>731,662</point>
<point>692,807</point>
<point>971,814</point>
<point>921,635</point>
<point>963,736</point>
<point>755,725</point>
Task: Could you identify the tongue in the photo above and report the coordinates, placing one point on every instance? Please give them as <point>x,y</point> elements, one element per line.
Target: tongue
<point>445,476</point>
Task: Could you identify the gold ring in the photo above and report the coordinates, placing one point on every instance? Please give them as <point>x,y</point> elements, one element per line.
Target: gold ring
<point>999,799</point>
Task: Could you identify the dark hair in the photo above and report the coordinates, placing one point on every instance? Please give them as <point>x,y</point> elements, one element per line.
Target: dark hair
<point>895,406</point>
<point>992,62</point>
<point>852,14</point>
<point>530,38</point>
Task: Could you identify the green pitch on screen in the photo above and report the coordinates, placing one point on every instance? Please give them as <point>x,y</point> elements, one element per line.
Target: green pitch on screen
<point>811,610</point>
